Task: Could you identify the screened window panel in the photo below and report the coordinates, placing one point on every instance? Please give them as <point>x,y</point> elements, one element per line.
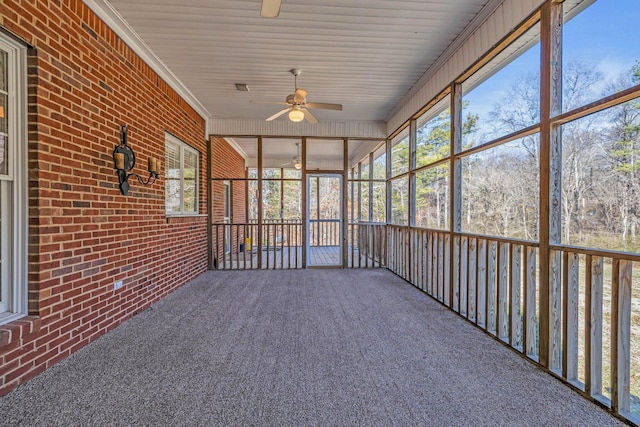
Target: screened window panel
<point>504,96</point>
<point>380,166</point>
<point>400,156</point>
<point>400,201</point>
<point>379,201</point>
<point>292,173</point>
<point>433,138</point>
<point>500,190</point>
<point>292,202</point>
<point>365,169</point>
<point>600,51</point>
<point>364,201</point>
<point>601,179</point>
<point>432,197</point>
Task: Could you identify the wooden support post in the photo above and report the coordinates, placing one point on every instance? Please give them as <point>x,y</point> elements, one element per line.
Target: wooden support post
<point>388,165</point>
<point>550,176</point>
<point>370,215</point>
<point>412,176</point>
<point>352,217</point>
<point>305,204</point>
<point>209,209</point>
<point>455,175</point>
<point>344,223</point>
<point>260,216</point>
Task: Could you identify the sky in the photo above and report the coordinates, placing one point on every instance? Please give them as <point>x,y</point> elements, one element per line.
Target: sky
<point>604,35</point>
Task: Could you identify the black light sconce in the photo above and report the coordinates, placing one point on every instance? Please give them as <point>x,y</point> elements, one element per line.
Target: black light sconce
<point>125,160</point>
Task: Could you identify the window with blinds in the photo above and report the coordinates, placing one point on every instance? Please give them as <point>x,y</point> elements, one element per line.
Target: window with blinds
<point>181,177</point>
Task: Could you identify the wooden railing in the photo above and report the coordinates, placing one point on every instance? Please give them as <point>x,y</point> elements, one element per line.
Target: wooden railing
<point>593,315</point>
<point>367,245</point>
<point>324,232</point>
<point>593,344</point>
<point>250,246</point>
<point>490,281</point>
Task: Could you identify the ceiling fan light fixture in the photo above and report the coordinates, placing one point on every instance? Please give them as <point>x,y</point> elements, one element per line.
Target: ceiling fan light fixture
<point>270,8</point>
<point>298,165</point>
<point>296,115</point>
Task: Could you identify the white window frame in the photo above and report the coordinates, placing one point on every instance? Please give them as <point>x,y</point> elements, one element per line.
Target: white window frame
<point>182,148</point>
<point>13,190</point>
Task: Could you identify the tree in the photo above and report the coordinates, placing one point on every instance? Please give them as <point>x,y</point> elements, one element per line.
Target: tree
<point>624,153</point>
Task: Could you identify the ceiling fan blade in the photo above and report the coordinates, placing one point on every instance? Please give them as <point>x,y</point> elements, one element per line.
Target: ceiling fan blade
<point>268,102</point>
<point>324,106</point>
<point>278,114</point>
<point>270,8</point>
<point>309,116</point>
<point>300,95</point>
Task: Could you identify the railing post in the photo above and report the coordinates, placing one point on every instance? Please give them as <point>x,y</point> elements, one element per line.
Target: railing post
<point>620,335</point>
<point>593,325</point>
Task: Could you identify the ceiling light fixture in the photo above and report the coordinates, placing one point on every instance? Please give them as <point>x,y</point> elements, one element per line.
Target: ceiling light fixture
<point>298,165</point>
<point>296,115</point>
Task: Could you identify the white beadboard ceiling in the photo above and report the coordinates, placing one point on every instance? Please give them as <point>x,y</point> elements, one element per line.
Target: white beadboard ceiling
<point>371,56</point>
<point>365,54</point>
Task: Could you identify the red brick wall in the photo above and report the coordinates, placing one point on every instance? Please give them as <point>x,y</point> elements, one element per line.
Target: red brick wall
<point>227,163</point>
<point>84,82</point>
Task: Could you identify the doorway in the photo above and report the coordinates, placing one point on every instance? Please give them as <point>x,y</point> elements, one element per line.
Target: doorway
<point>324,220</point>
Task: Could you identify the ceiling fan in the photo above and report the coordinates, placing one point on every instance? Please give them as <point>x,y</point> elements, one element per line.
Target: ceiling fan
<point>296,161</point>
<point>297,105</point>
<point>270,8</point>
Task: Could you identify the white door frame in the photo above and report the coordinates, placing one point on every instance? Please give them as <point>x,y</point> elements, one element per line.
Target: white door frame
<point>311,176</point>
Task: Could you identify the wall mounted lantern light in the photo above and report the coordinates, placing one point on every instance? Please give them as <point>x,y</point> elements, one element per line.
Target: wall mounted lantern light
<point>124,160</point>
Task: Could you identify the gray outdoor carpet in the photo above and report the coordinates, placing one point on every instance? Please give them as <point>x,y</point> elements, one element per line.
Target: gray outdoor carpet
<point>297,348</point>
